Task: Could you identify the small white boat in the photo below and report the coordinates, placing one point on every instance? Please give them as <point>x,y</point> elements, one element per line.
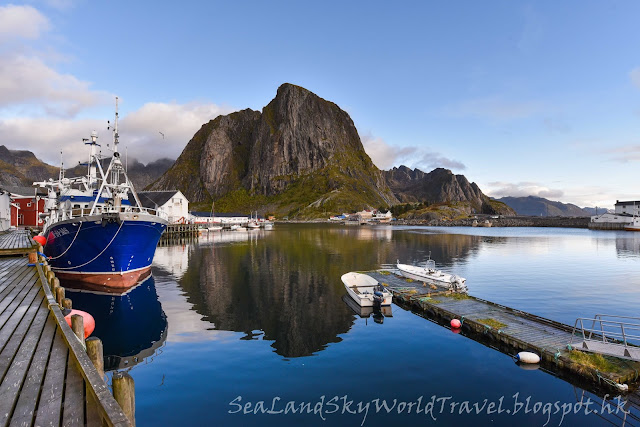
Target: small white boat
<point>634,225</point>
<point>253,225</point>
<point>214,228</point>
<point>430,274</point>
<point>268,225</point>
<point>238,228</point>
<point>365,290</point>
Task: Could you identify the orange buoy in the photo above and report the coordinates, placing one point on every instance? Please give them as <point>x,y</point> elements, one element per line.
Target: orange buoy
<point>40,239</point>
<point>87,319</point>
<point>455,324</point>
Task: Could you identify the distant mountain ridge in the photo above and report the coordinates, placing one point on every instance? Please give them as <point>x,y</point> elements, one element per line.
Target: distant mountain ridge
<point>438,186</point>
<point>20,168</point>
<point>539,206</point>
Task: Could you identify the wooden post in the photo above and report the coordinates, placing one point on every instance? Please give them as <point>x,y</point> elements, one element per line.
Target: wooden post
<point>50,275</point>
<point>124,393</point>
<point>33,257</point>
<point>96,354</point>
<point>60,294</point>
<point>55,283</point>
<point>66,303</point>
<point>77,325</point>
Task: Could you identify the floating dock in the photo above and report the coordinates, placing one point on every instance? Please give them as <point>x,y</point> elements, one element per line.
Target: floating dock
<point>46,376</point>
<point>511,331</point>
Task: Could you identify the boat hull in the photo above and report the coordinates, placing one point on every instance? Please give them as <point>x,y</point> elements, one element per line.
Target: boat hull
<point>419,274</point>
<point>361,287</point>
<point>104,251</point>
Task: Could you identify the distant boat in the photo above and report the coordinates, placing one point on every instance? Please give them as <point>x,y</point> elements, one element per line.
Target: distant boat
<point>634,225</point>
<point>213,227</point>
<point>268,225</point>
<point>253,225</point>
<point>431,275</point>
<point>365,290</point>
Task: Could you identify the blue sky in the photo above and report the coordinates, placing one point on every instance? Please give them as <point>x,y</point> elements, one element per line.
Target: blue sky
<point>524,98</point>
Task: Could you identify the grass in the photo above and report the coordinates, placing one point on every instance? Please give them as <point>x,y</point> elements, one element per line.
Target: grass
<point>384,272</point>
<point>493,323</point>
<point>595,361</point>
<point>457,296</point>
<point>409,280</point>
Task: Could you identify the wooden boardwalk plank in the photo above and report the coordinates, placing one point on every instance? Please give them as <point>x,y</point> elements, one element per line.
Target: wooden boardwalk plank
<point>17,310</point>
<point>16,375</point>
<point>14,296</point>
<point>50,403</point>
<point>73,410</point>
<point>17,275</point>
<point>24,412</point>
<point>21,326</point>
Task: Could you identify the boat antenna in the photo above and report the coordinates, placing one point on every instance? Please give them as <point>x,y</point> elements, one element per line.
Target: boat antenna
<point>115,129</point>
<point>61,174</point>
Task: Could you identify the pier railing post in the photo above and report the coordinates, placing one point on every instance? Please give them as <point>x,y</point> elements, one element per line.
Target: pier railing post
<point>77,325</point>
<point>124,393</point>
<point>96,354</point>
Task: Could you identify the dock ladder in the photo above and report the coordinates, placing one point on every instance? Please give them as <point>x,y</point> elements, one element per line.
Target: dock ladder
<point>611,335</point>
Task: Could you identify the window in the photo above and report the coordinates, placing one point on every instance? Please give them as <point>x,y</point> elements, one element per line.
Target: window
<point>29,204</point>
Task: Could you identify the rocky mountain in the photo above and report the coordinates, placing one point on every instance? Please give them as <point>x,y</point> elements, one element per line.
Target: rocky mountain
<point>22,168</point>
<point>538,206</point>
<point>301,155</point>
<point>440,186</point>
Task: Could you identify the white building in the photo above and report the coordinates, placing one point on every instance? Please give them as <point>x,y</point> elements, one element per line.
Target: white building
<point>5,210</point>
<point>172,203</point>
<point>629,208</point>
<point>206,218</point>
<point>612,218</point>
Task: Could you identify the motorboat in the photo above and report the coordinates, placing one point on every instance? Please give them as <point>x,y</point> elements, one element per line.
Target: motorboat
<point>365,290</point>
<point>430,274</point>
<point>634,225</point>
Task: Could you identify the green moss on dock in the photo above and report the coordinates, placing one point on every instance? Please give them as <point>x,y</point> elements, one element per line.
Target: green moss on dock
<point>595,361</point>
<point>457,296</point>
<point>384,272</point>
<point>409,280</point>
<point>493,323</point>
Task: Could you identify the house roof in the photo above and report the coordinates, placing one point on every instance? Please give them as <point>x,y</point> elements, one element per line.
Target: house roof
<point>155,199</point>
<point>23,191</point>
<point>630,202</point>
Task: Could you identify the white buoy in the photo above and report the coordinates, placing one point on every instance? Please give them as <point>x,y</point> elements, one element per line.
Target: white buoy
<point>527,357</point>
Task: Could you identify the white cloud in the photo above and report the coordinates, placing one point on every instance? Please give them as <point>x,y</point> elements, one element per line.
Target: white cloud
<point>634,75</point>
<point>494,108</point>
<point>21,22</point>
<point>624,154</point>
<point>30,83</point>
<point>499,189</point>
<point>139,132</point>
<point>385,156</point>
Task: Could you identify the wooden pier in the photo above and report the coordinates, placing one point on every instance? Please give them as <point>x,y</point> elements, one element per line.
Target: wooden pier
<point>180,231</point>
<point>510,330</point>
<point>47,378</point>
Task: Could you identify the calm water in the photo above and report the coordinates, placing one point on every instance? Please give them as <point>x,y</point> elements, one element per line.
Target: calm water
<point>249,317</point>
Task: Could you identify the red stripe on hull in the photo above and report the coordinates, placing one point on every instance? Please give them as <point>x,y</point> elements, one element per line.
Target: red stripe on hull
<point>116,283</point>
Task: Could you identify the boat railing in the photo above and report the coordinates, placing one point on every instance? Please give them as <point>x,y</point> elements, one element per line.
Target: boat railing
<point>622,332</point>
<point>82,212</point>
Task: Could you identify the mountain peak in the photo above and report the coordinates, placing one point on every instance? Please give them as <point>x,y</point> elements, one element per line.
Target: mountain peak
<point>298,140</point>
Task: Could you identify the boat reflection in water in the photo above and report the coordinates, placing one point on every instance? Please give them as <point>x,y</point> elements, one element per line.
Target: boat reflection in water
<point>132,325</point>
<point>379,313</point>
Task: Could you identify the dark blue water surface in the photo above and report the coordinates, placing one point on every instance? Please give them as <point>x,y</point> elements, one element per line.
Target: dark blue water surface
<point>242,323</point>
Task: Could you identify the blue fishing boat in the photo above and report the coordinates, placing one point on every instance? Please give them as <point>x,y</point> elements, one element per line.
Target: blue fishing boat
<point>97,232</point>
